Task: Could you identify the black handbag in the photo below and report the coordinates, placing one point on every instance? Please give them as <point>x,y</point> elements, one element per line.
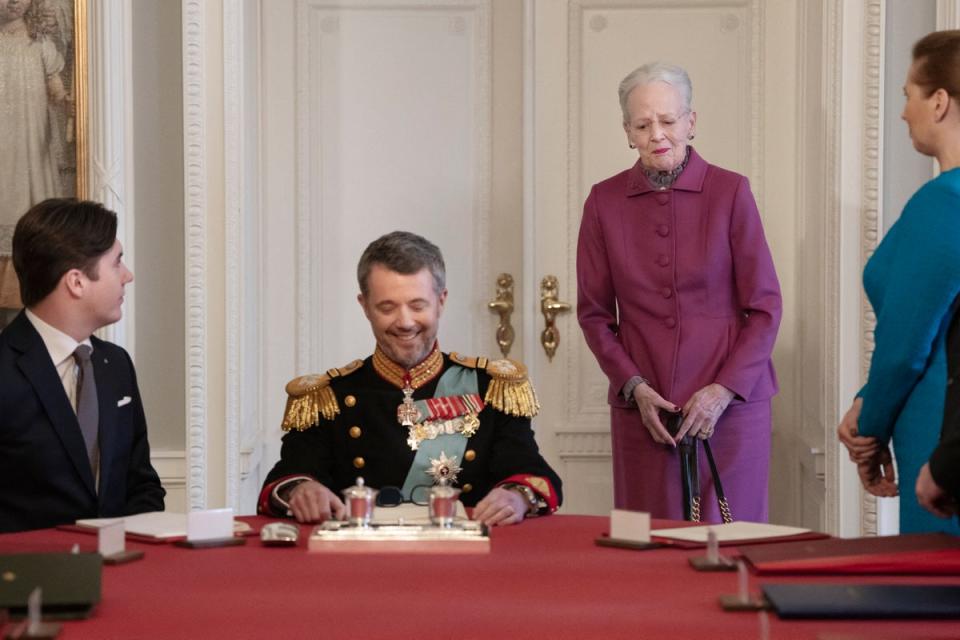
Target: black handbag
<point>690,472</point>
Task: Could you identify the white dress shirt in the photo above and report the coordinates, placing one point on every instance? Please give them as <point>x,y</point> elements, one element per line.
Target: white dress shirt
<point>60,346</point>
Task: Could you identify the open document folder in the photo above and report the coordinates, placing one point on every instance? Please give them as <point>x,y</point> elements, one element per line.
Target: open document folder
<point>155,525</point>
<point>732,532</point>
<point>912,554</point>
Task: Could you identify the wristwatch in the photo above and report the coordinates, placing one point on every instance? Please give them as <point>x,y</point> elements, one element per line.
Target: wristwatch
<point>533,501</point>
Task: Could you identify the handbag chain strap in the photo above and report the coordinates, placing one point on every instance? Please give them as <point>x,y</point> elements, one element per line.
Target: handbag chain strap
<point>694,492</point>
<point>717,485</point>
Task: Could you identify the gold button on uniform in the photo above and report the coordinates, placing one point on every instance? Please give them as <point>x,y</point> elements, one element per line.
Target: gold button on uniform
<point>355,432</point>
<point>467,488</point>
<point>358,462</point>
<point>350,401</point>
<point>469,455</point>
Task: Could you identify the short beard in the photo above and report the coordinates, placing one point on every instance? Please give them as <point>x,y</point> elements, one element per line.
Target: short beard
<point>399,358</point>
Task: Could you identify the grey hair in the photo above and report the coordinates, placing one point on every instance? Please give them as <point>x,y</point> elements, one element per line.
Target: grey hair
<point>651,72</point>
<point>402,252</point>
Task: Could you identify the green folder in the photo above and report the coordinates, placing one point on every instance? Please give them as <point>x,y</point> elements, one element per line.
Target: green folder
<point>70,583</point>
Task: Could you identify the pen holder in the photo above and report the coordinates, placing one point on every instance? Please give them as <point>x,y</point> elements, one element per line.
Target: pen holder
<point>359,501</point>
<point>443,505</point>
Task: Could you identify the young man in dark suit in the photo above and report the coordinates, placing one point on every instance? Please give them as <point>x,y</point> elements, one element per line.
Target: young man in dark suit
<point>938,483</point>
<point>73,436</point>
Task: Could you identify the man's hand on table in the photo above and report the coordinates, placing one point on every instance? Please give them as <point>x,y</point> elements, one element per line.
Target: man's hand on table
<point>310,501</point>
<point>501,506</point>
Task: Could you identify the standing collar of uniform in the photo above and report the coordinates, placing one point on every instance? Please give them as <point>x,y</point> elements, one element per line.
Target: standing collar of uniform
<point>419,375</point>
<point>691,179</point>
<point>59,345</point>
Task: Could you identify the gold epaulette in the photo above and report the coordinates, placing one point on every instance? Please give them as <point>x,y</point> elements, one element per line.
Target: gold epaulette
<point>468,362</point>
<point>510,389</point>
<point>310,396</point>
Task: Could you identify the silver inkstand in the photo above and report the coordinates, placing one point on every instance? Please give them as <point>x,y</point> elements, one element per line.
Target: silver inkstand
<point>440,527</point>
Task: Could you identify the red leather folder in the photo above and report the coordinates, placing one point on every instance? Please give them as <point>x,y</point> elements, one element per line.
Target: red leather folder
<point>914,554</point>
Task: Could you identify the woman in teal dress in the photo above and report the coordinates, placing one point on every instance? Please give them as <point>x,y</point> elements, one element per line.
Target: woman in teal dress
<point>912,281</point>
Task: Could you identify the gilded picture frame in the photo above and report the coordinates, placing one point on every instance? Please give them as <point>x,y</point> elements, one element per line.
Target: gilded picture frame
<point>44,107</point>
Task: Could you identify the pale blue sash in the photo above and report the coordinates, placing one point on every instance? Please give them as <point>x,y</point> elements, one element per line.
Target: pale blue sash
<point>454,382</point>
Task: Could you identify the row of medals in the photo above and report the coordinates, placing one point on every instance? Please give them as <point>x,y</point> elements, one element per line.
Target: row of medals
<point>409,416</point>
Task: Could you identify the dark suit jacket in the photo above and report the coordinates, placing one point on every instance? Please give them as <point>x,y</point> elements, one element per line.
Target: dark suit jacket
<point>45,477</point>
<point>945,461</point>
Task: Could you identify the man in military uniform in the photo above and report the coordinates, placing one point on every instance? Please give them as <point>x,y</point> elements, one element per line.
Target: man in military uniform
<point>410,416</point>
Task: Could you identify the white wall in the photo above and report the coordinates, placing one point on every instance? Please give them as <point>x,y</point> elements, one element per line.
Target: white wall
<point>904,170</point>
<point>157,134</point>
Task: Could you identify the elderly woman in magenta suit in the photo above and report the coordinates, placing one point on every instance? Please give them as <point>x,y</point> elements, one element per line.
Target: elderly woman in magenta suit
<point>679,301</point>
<point>912,280</point>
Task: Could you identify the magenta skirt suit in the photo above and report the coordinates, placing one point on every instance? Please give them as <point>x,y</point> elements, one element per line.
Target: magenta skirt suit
<point>678,286</point>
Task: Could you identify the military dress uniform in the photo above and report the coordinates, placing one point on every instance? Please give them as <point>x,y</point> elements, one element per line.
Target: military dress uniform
<point>460,420</point>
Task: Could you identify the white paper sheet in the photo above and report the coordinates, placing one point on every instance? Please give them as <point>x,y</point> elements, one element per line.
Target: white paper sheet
<point>154,524</point>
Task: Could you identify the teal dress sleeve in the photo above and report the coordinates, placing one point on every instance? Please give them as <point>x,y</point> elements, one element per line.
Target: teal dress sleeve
<point>911,282</point>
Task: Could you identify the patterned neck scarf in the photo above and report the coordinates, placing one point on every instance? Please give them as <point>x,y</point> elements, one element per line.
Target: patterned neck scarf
<point>662,180</point>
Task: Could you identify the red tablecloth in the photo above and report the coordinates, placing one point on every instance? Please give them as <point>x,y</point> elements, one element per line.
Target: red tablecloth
<point>543,579</point>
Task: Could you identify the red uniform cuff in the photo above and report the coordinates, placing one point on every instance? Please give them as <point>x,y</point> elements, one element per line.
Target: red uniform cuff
<point>265,504</point>
<point>539,485</point>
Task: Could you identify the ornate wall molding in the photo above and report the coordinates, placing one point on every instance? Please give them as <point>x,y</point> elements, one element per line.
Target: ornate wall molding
<point>233,154</point>
<point>483,105</point>
<point>170,466</point>
<point>871,201</point>
<point>584,444</point>
<point>831,68</point>
<point>306,306</point>
<point>195,205</point>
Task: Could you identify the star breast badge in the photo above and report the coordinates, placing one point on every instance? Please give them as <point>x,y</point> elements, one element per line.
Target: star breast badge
<point>443,470</point>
